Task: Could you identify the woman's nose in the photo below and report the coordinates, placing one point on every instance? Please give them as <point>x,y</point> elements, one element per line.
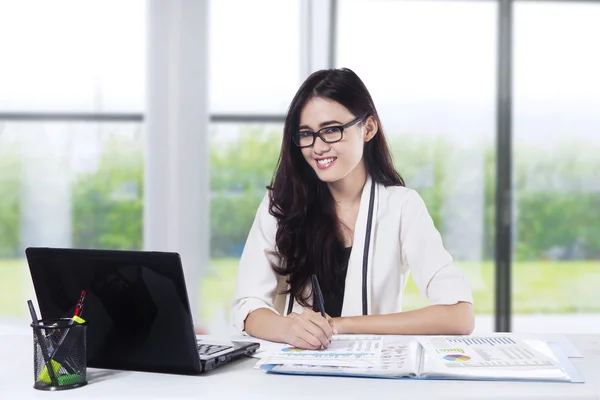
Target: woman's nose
<point>320,146</point>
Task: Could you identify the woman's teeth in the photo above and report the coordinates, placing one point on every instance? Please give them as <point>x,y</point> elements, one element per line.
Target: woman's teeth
<point>325,161</point>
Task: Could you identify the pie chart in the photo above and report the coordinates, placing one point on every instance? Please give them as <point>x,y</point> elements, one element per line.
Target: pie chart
<point>291,350</point>
<point>457,357</point>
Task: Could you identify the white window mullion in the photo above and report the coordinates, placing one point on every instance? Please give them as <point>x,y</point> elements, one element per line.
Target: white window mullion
<point>176,194</point>
<point>316,31</point>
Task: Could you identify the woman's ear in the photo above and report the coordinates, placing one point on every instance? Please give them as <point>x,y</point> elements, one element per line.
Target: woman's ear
<point>371,128</point>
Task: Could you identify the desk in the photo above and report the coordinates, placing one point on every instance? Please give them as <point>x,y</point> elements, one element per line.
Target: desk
<point>239,381</point>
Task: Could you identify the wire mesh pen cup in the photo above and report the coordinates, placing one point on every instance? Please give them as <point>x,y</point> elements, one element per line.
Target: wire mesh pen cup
<point>59,354</point>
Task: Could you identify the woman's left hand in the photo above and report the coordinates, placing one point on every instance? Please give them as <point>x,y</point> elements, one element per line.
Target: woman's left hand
<point>332,324</point>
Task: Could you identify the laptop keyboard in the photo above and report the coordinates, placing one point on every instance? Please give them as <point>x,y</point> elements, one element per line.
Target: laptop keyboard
<point>208,349</point>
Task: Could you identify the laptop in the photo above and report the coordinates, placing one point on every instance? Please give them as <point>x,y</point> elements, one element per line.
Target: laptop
<point>136,306</point>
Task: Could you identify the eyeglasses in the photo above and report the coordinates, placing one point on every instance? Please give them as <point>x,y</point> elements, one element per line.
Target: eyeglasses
<point>330,134</point>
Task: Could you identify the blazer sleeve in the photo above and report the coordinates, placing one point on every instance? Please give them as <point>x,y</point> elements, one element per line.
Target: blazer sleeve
<point>431,265</point>
<point>256,282</point>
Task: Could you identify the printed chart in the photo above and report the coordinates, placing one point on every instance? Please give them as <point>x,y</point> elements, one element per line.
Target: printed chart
<point>457,357</point>
<point>486,351</point>
<point>343,351</point>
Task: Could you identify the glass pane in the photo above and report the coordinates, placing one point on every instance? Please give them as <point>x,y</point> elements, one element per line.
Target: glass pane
<point>430,67</point>
<point>69,55</point>
<point>65,185</point>
<point>242,163</point>
<point>254,55</point>
<point>556,167</point>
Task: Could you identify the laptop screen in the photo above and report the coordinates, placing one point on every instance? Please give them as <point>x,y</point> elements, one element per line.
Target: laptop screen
<point>136,305</point>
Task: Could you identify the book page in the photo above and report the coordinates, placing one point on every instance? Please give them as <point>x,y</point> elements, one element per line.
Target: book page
<point>344,350</point>
<point>487,357</point>
<point>399,358</point>
<point>489,352</point>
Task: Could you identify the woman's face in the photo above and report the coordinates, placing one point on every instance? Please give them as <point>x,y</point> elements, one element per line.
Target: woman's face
<point>332,161</point>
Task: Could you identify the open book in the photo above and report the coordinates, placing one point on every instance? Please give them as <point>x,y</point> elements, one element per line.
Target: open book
<point>428,357</point>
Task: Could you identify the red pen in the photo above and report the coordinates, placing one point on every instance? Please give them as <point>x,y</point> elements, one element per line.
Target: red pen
<point>79,307</point>
<point>75,318</point>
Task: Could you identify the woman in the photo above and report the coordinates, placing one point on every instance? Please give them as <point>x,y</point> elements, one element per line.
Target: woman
<point>338,209</point>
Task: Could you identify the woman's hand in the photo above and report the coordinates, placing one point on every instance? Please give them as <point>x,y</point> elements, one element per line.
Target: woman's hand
<point>309,330</point>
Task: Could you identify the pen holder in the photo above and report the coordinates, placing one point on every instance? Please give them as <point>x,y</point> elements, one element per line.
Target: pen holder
<point>59,354</point>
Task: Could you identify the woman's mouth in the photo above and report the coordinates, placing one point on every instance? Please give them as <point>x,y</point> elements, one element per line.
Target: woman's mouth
<point>324,163</point>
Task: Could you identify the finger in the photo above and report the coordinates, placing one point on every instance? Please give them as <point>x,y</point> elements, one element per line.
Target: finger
<point>318,332</point>
<point>332,324</point>
<point>323,324</point>
<point>305,336</point>
<point>303,344</point>
<point>317,319</point>
<point>329,319</point>
<point>299,343</point>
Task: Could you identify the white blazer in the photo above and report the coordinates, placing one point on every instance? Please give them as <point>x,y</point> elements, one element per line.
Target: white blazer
<point>403,240</point>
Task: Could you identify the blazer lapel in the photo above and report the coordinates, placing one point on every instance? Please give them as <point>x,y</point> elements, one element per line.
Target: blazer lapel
<point>353,292</point>
<point>353,298</point>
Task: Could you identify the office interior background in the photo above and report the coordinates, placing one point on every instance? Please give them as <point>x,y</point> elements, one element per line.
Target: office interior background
<point>156,125</point>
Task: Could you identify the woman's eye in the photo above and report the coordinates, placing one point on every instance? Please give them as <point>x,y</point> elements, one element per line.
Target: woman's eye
<point>330,130</point>
<point>304,134</point>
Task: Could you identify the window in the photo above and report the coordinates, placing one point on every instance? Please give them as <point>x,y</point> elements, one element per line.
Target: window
<point>254,55</point>
<point>431,69</point>
<point>242,161</point>
<point>556,145</point>
<point>66,185</point>
<point>254,62</point>
<point>68,55</point>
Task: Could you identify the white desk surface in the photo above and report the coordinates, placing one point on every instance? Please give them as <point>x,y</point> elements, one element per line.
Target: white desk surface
<point>239,381</point>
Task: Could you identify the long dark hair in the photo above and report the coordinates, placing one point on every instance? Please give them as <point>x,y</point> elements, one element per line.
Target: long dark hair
<point>308,238</point>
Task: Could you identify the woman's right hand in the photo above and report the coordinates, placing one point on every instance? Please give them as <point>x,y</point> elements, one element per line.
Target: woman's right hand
<point>309,330</point>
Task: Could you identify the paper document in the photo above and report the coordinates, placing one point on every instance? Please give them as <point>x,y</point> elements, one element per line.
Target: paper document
<point>344,350</point>
<point>429,357</point>
<point>567,347</point>
<point>393,356</point>
<point>488,352</point>
<point>395,361</point>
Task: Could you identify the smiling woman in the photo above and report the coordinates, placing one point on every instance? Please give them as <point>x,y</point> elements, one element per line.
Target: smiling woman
<point>319,153</point>
<point>334,184</point>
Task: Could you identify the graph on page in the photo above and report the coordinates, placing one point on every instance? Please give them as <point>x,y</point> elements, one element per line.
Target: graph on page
<point>490,352</point>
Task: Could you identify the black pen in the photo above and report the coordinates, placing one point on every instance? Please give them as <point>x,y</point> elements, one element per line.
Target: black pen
<point>318,302</point>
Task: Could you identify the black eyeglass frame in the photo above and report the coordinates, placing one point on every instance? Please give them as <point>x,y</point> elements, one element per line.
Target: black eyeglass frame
<point>296,140</point>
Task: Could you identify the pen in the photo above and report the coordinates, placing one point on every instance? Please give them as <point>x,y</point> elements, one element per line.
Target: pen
<point>42,342</point>
<point>76,318</point>
<point>318,302</point>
